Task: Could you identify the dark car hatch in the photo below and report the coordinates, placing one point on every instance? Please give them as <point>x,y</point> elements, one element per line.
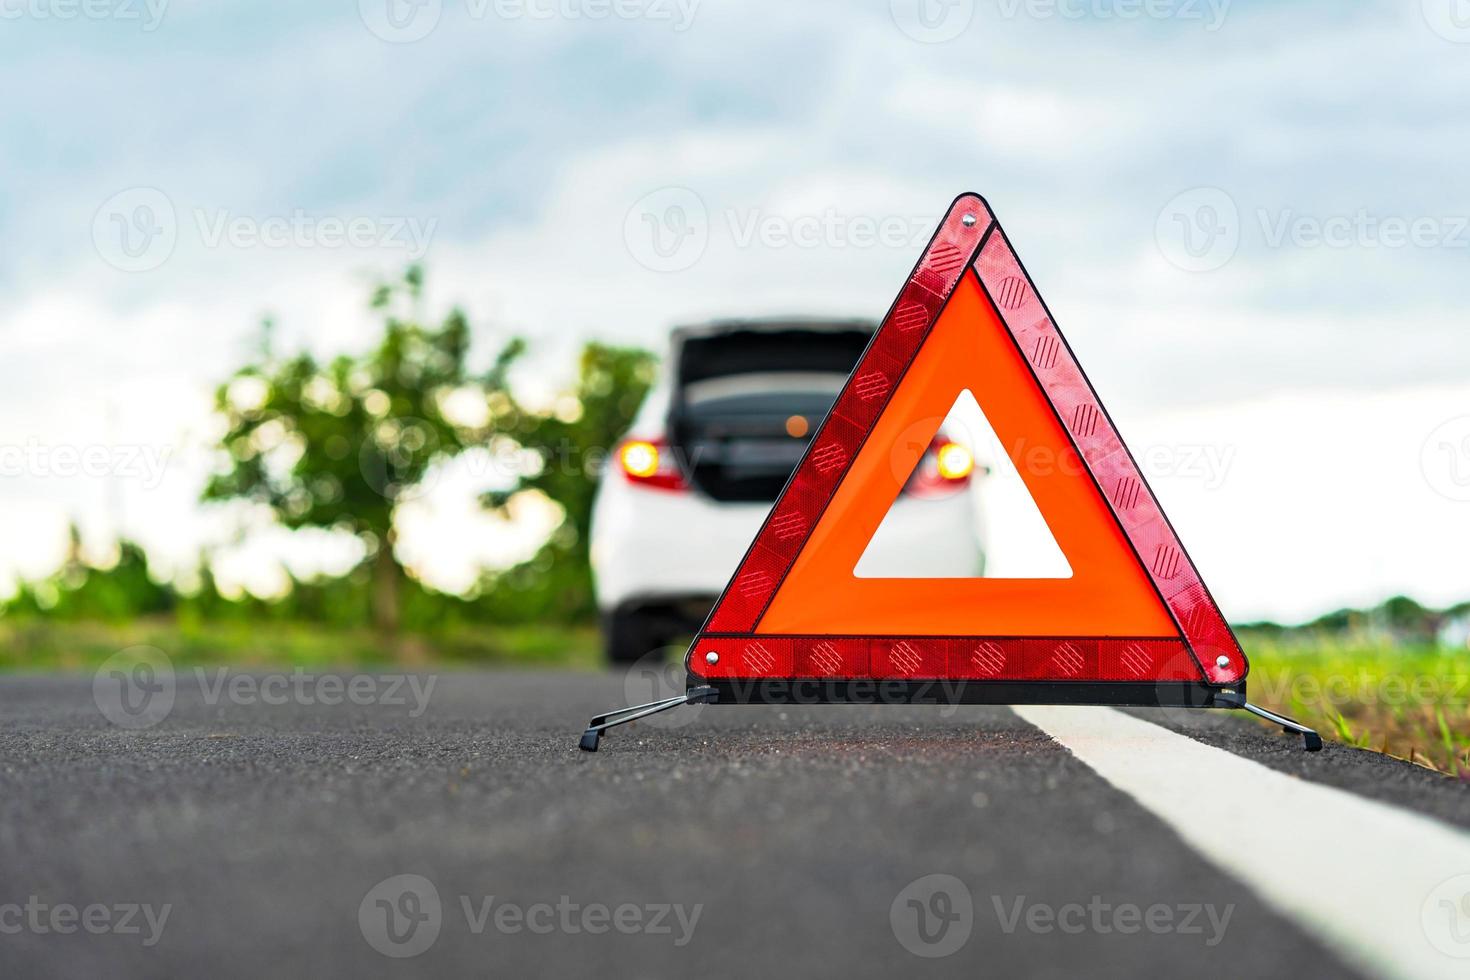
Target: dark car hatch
<point>748,396</point>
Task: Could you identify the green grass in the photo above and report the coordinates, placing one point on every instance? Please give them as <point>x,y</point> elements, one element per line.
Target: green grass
<point>1409,702</point>
<point>43,645</point>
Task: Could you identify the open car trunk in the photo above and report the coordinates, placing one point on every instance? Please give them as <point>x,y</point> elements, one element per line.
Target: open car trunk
<point>748,396</point>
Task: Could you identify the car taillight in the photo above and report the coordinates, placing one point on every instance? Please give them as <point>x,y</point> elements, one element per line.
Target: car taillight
<point>649,463</point>
<point>946,467</point>
<point>954,462</point>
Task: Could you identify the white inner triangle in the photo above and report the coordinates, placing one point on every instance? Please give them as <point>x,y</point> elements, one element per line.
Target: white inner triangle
<point>990,529</point>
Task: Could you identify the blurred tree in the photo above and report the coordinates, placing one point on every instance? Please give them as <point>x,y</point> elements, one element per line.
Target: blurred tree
<point>573,440</point>
<point>116,590</point>
<point>340,445</point>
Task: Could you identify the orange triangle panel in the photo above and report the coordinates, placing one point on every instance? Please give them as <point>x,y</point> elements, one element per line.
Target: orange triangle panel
<point>1133,611</point>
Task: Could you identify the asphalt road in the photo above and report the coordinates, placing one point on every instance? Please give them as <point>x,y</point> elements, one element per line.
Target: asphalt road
<point>730,841</point>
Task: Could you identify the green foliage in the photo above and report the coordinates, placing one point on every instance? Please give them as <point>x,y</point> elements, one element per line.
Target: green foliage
<point>573,443</point>
<point>1399,618</point>
<point>338,445</point>
<point>108,594</point>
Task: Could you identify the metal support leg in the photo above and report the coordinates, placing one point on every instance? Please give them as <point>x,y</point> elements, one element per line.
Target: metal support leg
<point>1310,739</point>
<point>593,735</point>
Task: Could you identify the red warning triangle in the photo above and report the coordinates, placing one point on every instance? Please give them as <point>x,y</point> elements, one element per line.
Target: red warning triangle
<point>1133,618</point>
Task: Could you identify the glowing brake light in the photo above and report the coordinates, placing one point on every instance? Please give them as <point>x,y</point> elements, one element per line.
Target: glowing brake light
<point>640,459</point>
<point>649,464</point>
<point>955,462</point>
<point>944,469</point>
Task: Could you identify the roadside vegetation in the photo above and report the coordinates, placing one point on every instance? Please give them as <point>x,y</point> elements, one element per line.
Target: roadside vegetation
<point>1408,700</point>
<point>333,446</point>
<point>40,645</point>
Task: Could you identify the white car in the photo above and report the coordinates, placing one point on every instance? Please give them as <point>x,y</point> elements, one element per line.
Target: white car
<point>686,490</point>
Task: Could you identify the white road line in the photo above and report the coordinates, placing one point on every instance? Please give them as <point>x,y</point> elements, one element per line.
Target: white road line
<point>1372,881</point>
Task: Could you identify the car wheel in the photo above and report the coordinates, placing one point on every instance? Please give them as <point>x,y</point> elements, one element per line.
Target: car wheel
<point>627,635</point>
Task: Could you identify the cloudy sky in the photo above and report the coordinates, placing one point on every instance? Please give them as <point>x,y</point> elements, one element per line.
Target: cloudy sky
<point>1250,219</point>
